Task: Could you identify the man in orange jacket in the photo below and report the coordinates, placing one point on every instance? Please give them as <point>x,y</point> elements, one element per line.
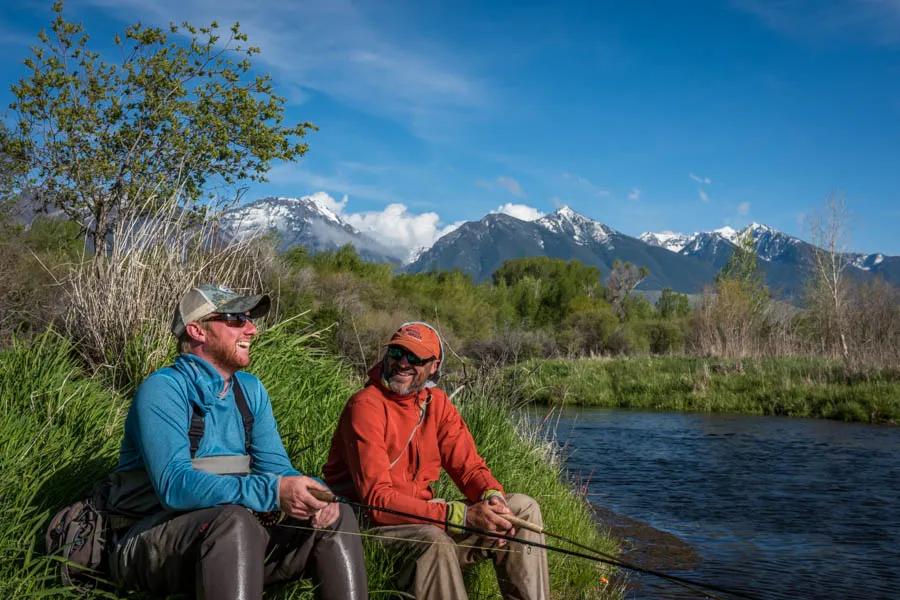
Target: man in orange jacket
<point>392,439</point>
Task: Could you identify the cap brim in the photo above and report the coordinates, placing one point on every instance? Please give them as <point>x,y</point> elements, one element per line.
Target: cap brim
<point>255,306</point>
<point>420,350</point>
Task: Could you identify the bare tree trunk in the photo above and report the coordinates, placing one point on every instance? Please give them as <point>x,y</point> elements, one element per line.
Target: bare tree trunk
<point>829,233</point>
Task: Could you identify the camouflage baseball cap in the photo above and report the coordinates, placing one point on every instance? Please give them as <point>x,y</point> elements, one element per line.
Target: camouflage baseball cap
<point>202,301</point>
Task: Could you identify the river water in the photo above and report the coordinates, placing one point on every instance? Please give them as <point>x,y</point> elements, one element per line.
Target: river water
<point>776,507</point>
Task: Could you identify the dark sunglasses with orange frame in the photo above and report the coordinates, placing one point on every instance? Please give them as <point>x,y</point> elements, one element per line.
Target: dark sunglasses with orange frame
<point>397,353</point>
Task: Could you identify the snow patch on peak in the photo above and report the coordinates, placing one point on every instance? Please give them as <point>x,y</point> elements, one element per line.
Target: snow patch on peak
<point>580,228</point>
<point>729,233</point>
<point>670,240</point>
<point>867,261</point>
<point>326,206</point>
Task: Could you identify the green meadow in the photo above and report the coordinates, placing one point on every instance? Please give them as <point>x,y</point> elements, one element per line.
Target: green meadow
<point>788,386</point>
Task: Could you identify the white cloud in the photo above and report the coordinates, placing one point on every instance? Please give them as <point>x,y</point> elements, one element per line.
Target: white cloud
<point>332,204</point>
<point>510,185</point>
<point>699,179</point>
<point>743,208</point>
<point>519,211</point>
<point>396,226</point>
<point>703,195</point>
<point>634,194</point>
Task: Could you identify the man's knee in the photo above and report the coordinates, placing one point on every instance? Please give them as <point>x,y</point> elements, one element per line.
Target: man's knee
<point>236,524</point>
<point>524,506</point>
<point>346,521</point>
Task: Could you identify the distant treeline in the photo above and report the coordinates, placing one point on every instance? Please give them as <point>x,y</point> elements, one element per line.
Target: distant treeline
<point>532,307</point>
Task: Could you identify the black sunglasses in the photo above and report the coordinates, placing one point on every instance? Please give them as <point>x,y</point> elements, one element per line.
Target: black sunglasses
<point>396,353</point>
<point>230,319</point>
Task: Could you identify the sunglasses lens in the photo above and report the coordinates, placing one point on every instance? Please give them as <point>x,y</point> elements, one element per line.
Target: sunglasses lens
<point>231,319</point>
<point>397,353</point>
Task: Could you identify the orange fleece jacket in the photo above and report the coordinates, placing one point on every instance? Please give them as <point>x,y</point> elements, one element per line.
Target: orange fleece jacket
<point>373,431</point>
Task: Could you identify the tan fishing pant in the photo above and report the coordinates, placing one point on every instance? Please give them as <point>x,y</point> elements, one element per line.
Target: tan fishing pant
<point>434,570</point>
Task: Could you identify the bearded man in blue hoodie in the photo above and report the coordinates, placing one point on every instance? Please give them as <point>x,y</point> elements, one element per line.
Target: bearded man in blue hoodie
<point>211,501</point>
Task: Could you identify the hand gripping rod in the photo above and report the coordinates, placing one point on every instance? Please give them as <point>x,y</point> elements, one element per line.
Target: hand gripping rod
<point>602,557</point>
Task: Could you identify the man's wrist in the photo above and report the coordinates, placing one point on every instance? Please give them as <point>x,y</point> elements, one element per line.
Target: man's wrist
<point>456,514</point>
<point>492,493</point>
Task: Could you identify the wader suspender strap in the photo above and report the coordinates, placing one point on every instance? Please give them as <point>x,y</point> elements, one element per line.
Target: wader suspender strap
<point>198,423</point>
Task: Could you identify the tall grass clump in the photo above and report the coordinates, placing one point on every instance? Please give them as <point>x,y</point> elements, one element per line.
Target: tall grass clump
<point>59,432</point>
<point>121,300</point>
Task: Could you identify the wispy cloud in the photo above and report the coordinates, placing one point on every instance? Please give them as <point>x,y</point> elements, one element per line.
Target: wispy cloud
<point>504,183</point>
<point>700,179</point>
<point>704,197</point>
<point>871,21</point>
<point>336,48</point>
<point>519,211</point>
<point>583,182</point>
<point>743,208</point>
<point>289,175</point>
<point>634,195</point>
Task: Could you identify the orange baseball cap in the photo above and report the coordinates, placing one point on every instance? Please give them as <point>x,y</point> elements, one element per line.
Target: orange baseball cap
<point>419,338</point>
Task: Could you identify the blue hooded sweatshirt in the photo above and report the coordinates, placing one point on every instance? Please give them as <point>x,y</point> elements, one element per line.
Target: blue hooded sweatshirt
<point>156,438</point>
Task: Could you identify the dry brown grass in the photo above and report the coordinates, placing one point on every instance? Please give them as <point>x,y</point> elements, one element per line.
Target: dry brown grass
<point>119,304</point>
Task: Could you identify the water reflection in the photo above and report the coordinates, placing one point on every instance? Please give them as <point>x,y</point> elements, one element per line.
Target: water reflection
<point>786,508</point>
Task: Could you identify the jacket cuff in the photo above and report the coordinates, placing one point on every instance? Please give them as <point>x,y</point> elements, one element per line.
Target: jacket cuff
<point>490,493</point>
<point>456,514</point>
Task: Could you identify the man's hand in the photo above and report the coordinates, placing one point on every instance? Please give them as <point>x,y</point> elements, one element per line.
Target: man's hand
<point>327,516</point>
<point>488,515</point>
<point>295,499</point>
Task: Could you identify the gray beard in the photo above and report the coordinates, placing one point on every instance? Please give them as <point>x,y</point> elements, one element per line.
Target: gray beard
<point>400,390</point>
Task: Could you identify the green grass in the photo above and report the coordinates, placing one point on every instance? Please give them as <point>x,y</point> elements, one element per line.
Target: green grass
<point>60,431</point>
<point>800,387</point>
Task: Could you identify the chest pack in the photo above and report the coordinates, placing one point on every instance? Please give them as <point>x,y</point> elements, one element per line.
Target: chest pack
<point>79,535</point>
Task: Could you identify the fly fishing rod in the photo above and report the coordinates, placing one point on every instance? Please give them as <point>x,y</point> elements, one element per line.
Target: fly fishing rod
<point>596,555</point>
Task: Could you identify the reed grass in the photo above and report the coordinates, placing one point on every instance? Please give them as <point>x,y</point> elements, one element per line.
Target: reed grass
<point>799,387</point>
<point>60,430</point>
<point>120,301</point>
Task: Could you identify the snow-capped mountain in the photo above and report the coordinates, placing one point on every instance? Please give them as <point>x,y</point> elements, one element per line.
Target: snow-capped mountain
<point>669,240</point>
<point>786,260</point>
<point>581,229</point>
<point>683,262</point>
<point>307,221</point>
<point>480,247</point>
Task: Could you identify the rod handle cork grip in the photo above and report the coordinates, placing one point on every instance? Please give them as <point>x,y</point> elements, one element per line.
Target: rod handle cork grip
<point>523,524</point>
<point>322,495</point>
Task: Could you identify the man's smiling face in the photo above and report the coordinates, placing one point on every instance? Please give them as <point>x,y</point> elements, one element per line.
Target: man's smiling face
<point>227,343</point>
<point>402,377</point>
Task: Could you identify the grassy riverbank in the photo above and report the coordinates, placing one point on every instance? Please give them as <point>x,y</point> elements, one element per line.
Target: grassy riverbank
<point>60,431</point>
<point>800,387</point>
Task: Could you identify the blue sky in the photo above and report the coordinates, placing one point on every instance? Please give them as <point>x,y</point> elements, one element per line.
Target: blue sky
<point>647,116</point>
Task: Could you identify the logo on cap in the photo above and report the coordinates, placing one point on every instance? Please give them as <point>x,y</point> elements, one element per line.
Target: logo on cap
<point>412,332</point>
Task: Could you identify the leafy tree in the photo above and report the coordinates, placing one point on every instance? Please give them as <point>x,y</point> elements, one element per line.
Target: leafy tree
<point>672,305</point>
<point>172,119</point>
<point>622,281</point>
<point>545,290</point>
<point>743,270</point>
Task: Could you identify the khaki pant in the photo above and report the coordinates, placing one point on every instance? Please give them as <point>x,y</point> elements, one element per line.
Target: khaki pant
<point>434,570</point>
